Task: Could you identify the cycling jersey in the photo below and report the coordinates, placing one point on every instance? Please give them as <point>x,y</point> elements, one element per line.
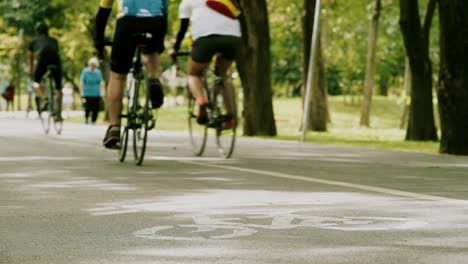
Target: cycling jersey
<point>138,8</point>
<point>45,47</point>
<point>206,21</point>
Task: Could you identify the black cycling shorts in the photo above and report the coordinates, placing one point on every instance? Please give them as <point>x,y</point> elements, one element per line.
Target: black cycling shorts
<point>205,48</point>
<point>124,44</point>
<point>41,69</point>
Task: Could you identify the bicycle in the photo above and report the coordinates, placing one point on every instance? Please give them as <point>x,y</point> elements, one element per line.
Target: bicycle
<point>137,115</point>
<point>219,101</point>
<point>51,114</point>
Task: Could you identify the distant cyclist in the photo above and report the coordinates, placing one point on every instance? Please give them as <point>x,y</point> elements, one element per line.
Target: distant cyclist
<point>213,32</point>
<point>46,49</point>
<point>134,16</point>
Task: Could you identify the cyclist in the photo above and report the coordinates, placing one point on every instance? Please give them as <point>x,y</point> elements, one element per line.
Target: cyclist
<point>212,33</point>
<point>47,50</point>
<point>134,16</point>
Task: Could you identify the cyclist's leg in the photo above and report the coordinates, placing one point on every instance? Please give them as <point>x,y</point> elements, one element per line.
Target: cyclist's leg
<point>195,81</point>
<point>57,73</point>
<point>230,51</point>
<point>40,71</point>
<point>203,51</point>
<point>157,27</point>
<point>114,97</point>
<point>153,64</point>
<point>223,66</point>
<point>123,48</point>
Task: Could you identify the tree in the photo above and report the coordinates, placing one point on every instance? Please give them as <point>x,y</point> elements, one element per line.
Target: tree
<point>318,111</point>
<point>421,126</point>
<point>453,84</point>
<point>370,66</point>
<point>255,69</point>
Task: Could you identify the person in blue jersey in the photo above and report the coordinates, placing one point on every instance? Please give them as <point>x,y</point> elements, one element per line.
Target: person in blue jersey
<point>133,16</point>
<point>91,83</point>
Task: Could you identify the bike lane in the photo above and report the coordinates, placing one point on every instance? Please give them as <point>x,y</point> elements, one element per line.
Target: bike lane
<point>82,206</point>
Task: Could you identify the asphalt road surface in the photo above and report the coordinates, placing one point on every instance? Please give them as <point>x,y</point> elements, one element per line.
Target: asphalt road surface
<point>65,199</point>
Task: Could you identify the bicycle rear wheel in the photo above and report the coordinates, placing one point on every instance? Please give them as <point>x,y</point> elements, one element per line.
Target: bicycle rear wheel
<point>141,123</point>
<point>58,125</point>
<point>46,119</point>
<point>126,119</point>
<point>225,136</point>
<point>198,133</point>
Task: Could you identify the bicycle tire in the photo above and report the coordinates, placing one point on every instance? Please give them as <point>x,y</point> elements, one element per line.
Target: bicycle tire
<point>141,124</point>
<point>198,133</point>
<point>225,138</point>
<point>127,119</point>
<point>44,116</point>
<point>53,113</point>
<point>58,125</point>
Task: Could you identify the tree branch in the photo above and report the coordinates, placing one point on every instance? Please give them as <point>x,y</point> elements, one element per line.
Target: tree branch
<point>428,19</point>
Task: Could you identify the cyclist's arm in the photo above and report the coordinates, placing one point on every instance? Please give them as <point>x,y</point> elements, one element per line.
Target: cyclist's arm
<point>184,24</point>
<point>102,17</point>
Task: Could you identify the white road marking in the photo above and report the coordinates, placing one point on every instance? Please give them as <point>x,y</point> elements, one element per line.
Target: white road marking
<point>335,183</point>
<point>235,227</point>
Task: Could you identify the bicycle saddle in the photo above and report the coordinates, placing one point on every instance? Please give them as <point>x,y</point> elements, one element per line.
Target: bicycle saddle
<point>142,38</point>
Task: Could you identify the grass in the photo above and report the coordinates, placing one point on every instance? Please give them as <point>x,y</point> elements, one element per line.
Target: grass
<point>344,130</point>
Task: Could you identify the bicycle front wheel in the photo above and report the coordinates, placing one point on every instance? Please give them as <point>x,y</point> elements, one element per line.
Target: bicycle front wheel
<point>198,133</point>
<point>141,123</point>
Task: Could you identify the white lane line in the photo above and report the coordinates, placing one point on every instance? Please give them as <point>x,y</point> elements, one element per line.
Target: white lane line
<point>335,183</point>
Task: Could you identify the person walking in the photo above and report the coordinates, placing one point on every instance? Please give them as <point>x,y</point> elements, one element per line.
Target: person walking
<point>92,84</point>
<point>9,95</point>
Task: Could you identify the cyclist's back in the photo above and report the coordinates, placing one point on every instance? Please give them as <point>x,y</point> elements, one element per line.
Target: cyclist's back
<point>46,47</point>
<point>206,21</point>
<point>138,8</point>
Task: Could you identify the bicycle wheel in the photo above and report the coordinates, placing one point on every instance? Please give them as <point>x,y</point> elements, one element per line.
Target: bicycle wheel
<point>46,119</point>
<point>54,106</point>
<point>126,119</point>
<point>198,133</point>
<point>225,136</point>
<point>58,125</point>
<point>141,124</point>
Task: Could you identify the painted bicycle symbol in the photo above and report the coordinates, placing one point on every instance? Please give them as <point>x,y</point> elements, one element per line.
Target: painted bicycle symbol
<point>215,227</point>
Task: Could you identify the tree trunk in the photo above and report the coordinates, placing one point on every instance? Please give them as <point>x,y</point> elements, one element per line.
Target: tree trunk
<point>324,39</point>
<point>255,69</point>
<point>421,124</point>
<point>318,111</point>
<point>405,96</point>
<point>453,85</point>
<point>370,68</point>
<point>383,86</point>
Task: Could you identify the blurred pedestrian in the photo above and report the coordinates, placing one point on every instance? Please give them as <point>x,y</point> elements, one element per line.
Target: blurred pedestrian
<point>92,84</point>
<point>8,94</point>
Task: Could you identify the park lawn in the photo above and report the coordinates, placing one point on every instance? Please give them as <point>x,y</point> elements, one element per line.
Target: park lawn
<point>344,130</point>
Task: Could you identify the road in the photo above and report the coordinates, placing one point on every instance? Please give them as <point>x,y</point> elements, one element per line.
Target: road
<point>65,199</point>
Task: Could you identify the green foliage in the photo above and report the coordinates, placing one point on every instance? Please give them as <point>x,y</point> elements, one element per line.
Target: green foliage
<point>286,36</point>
